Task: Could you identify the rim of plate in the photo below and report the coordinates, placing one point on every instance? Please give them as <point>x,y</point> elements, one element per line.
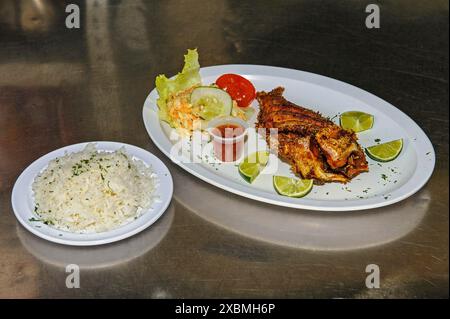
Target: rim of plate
<point>26,178</point>
<point>419,178</point>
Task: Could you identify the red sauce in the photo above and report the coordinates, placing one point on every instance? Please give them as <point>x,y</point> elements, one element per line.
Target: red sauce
<point>228,142</point>
<point>229,130</point>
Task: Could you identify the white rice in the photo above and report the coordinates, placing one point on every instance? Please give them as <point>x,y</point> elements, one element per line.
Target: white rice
<point>93,191</point>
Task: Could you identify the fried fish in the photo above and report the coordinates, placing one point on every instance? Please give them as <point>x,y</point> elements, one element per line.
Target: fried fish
<point>313,145</point>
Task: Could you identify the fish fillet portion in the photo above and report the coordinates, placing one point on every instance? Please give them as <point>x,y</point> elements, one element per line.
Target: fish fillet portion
<point>314,146</point>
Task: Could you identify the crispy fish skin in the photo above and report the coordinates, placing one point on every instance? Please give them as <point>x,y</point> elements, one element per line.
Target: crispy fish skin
<point>314,146</point>
<point>337,145</point>
<point>305,159</point>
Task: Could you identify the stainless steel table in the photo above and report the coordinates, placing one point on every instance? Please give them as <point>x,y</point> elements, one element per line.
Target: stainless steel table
<point>61,86</point>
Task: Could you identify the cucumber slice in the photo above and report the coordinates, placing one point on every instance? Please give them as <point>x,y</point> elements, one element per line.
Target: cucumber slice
<point>210,102</point>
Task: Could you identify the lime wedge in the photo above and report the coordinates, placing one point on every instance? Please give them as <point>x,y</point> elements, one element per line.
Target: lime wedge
<point>385,152</point>
<point>356,121</point>
<point>292,187</point>
<point>253,164</point>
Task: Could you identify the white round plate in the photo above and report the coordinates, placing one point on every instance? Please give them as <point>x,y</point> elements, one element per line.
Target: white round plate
<point>384,184</point>
<point>23,202</point>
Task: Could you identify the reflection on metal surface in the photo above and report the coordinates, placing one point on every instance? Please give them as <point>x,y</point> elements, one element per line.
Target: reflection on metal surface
<point>131,34</point>
<point>159,293</point>
<point>50,74</point>
<point>103,71</point>
<point>37,15</point>
<point>98,256</point>
<point>31,17</point>
<point>298,228</point>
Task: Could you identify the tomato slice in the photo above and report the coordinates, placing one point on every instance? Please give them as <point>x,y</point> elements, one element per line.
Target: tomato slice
<point>240,89</point>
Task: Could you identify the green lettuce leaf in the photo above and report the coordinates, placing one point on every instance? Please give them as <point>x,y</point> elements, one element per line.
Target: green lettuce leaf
<point>187,78</point>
